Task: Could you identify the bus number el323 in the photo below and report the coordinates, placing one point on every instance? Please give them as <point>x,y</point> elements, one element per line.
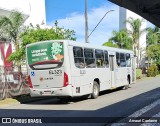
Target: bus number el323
<point>57,72</point>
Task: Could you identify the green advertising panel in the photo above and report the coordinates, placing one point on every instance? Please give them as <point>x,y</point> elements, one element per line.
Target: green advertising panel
<point>47,51</point>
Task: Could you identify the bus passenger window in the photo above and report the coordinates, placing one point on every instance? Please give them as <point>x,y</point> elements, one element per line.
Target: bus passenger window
<point>122,60</point>
<point>118,59</point>
<point>99,58</point>
<point>78,57</point>
<point>128,60</point>
<point>89,58</point>
<point>106,58</point>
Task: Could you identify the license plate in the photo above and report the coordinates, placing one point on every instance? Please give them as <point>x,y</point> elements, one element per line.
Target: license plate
<point>47,92</point>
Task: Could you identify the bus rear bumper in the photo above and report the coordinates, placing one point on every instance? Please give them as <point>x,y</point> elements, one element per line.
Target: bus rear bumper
<point>63,91</point>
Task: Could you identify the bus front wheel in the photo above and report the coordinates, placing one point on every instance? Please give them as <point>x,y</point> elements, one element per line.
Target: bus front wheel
<point>95,91</point>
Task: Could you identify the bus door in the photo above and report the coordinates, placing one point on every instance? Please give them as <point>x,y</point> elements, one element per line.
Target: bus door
<point>133,69</point>
<point>112,69</point>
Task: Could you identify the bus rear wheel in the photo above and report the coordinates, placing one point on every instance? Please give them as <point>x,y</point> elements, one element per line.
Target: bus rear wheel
<point>95,91</point>
<point>127,86</point>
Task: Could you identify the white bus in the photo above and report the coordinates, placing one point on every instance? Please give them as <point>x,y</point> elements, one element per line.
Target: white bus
<point>65,68</point>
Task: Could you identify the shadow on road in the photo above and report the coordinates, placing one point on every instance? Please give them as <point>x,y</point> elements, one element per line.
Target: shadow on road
<point>120,109</point>
<point>59,101</point>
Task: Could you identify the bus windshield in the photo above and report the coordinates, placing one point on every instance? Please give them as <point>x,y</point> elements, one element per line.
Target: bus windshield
<point>45,55</point>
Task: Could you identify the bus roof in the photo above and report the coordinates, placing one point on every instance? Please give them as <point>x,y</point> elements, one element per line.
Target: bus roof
<point>87,45</point>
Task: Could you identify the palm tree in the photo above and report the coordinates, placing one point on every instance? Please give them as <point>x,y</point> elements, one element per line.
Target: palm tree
<point>135,32</point>
<point>110,44</point>
<point>152,43</point>
<point>122,39</point>
<point>153,35</point>
<point>11,27</point>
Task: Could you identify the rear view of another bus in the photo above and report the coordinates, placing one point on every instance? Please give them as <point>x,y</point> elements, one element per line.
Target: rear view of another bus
<point>46,71</point>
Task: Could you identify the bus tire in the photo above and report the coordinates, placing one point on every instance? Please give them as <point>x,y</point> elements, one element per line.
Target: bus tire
<point>127,86</point>
<point>95,91</point>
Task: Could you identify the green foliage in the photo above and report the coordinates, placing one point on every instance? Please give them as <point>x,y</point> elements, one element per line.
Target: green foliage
<point>138,73</point>
<point>35,34</point>
<point>152,71</point>
<point>135,32</point>
<point>153,45</point>
<point>153,52</point>
<point>10,27</point>
<point>110,44</point>
<point>153,36</point>
<point>121,39</point>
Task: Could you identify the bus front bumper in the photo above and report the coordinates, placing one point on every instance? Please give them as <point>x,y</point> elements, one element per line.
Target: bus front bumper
<point>63,91</point>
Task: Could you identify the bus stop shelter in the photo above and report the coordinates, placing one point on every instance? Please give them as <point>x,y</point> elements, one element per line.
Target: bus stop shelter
<point>148,9</point>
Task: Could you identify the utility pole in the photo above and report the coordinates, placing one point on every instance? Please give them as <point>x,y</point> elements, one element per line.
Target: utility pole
<point>86,21</point>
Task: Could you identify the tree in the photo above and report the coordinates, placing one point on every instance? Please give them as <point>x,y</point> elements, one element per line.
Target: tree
<point>110,44</point>
<point>153,52</point>
<point>153,45</point>
<point>121,39</point>
<point>35,34</point>
<point>135,32</point>
<point>10,28</point>
<point>153,36</point>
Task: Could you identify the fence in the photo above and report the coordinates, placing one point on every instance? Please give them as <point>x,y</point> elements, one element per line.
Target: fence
<point>12,83</point>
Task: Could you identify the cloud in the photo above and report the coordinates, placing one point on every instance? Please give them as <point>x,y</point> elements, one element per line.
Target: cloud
<point>102,33</point>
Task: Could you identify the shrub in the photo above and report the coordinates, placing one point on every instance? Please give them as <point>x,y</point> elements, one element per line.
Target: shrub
<point>138,73</point>
<point>152,71</point>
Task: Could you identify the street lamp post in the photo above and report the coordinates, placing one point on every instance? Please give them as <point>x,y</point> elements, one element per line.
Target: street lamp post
<point>86,21</point>
<point>100,22</point>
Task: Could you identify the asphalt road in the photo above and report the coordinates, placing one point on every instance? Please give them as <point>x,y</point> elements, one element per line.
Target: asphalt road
<point>117,103</point>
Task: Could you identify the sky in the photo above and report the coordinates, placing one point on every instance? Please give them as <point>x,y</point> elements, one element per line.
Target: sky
<point>70,15</point>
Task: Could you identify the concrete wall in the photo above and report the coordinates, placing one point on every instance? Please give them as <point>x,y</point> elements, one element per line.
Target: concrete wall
<point>20,5</point>
<point>37,12</point>
<point>35,9</point>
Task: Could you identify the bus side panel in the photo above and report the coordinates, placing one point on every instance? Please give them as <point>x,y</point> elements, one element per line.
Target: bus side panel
<point>67,67</point>
<point>82,79</point>
<point>121,76</point>
<point>105,79</point>
<point>80,86</point>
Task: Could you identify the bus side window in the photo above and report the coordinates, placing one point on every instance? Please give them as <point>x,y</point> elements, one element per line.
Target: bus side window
<point>89,58</point>
<point>122,60</point>
<point>78,57</point>
<point>99,58</point>
<point>118,59</point>
<point>128,60</point>
<point>106,58</point>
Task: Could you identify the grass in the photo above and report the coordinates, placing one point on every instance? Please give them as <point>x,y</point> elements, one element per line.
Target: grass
<point>8,101</point>
<point>18,99</point>
<point>146,78</point>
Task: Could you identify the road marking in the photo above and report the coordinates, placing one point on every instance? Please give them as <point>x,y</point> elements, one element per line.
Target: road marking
<point>139,113</point>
